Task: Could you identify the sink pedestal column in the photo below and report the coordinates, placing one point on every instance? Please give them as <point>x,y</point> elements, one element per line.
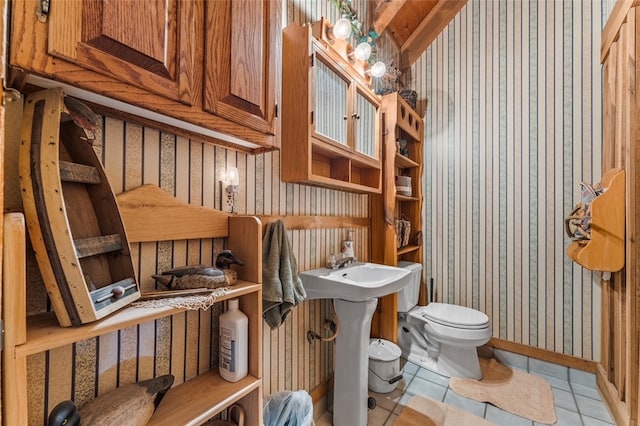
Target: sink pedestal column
<point>350,389</point>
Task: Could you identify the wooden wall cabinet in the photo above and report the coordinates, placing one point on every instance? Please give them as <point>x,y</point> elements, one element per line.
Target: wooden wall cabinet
<point>330,116</point>
<point>207,64</point>
<point>402,156</point>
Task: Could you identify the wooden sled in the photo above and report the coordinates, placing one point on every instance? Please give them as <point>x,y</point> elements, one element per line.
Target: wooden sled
<point>72,216</point>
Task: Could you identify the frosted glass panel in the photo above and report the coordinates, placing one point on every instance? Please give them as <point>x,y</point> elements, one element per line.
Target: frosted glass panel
<point>365,126</point>
<point>331,104</point>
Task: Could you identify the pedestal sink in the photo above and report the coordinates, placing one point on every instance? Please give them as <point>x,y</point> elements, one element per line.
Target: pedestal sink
<point>355,290</point>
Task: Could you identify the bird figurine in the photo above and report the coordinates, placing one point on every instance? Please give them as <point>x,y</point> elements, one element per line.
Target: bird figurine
<point>224,260</point>
<point>202,276</point>
<point>190,277</point>
<point>131,404</point>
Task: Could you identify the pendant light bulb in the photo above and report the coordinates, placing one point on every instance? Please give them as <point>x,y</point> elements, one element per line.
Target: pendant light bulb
<point>363,51</point>
<point>342,29</point>
<point>378,69</point>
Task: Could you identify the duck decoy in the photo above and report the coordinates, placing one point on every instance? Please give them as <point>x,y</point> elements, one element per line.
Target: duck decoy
<point>189,277</point>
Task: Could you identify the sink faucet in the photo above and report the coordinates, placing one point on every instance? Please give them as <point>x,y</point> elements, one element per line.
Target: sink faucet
<point>344,260</point>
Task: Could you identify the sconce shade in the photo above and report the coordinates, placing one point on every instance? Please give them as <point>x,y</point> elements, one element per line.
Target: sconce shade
<point>342,29</point>
<point>378,69</point>
<point>233,178</point>
<point>363,51</point>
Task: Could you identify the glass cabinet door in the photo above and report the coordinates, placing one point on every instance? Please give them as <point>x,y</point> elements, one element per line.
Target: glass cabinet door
<point>331,103</point>
<point>366,115</point>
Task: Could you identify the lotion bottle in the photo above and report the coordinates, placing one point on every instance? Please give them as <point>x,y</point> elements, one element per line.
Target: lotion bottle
<point>234,342</point>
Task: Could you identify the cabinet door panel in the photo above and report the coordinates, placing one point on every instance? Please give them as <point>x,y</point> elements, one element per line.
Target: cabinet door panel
<point>239,66</point>
<point>331,103</point>
<point>366,115</point>
<point>142,43</point>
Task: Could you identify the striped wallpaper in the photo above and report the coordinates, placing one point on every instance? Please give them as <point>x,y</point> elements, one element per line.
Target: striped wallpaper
<point>513,125</point>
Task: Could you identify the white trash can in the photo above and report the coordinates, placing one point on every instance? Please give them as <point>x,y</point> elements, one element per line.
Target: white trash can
<point>384,365</point>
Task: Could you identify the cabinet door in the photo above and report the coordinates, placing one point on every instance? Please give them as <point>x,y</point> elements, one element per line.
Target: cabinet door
<point>151,44</point>
<point>331,109</point>
<point>365,116</point>
<point>240,61</point>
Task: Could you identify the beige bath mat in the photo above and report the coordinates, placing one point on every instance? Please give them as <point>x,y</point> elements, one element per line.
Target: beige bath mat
<point>425,411</point>
<point>512,390</point>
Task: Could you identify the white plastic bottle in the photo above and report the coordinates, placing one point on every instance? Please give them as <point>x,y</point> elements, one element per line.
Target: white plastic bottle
<point>234,342</point>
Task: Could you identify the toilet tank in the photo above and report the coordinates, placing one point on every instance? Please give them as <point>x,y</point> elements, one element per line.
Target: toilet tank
<point>408,296</point>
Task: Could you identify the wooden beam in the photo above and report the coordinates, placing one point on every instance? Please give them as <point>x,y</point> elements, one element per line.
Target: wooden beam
<point>611,31</point>
<point>544,355</point>
<point>384,13</point>
<point>14,367</point>
<point>317,222</point>
<point>428,30</point>
<point>617,408</point>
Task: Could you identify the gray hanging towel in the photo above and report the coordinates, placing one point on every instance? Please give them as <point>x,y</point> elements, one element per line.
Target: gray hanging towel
<point>281,287</point>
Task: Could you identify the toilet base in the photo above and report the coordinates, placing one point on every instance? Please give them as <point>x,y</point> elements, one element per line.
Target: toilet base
<point>448,363</point>
<point>456,361</point>
<point>446,360</point>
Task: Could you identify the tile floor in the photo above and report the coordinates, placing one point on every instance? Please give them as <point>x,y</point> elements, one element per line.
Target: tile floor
<point>577,399</point>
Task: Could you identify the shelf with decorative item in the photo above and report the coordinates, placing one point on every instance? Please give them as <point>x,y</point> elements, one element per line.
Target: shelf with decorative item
<point>601,246</point>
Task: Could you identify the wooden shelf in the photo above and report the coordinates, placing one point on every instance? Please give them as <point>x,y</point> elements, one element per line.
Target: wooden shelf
<point>406,198</point>
<point>407,249</point>
<point>44,333</point>
<point>401,123</point>
<point>188,403</point>
<point>404,162</point>
<point>605,250</point>
<point>207,394</point>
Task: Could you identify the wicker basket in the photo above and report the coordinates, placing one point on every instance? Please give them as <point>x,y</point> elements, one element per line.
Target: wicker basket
<point>411,96</point>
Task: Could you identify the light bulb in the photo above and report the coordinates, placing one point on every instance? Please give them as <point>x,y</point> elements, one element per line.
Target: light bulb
<point>233,177</point>
<point>378,69</point>
<point>342,29</point>
<point>363,51</point>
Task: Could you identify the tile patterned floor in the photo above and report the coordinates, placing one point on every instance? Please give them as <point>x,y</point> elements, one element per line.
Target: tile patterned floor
<point>577,399</point>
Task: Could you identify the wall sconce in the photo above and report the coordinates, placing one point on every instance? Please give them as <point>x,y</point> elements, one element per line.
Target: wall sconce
<point>378,69</point>
<point>232,181</point>
<point>341,30</point>
<point>362,51</point>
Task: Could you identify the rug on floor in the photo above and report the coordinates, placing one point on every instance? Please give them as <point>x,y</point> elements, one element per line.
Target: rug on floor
<point>424,411</point>
<point>517,392</point>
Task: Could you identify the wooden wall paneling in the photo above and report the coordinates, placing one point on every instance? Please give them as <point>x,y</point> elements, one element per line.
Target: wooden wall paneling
<point>192,343</point>
<point>37,369</point>
<point>632,264</point>
<point>178,341</point>
<point>630,158</point>
<point>146,350</point>
<point>60,375</point>
<point>205,330</point>
<point>127,355</point>
<point>107,361</point>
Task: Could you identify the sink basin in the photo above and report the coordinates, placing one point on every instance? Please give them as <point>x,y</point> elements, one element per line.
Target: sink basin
<point>356,283</point>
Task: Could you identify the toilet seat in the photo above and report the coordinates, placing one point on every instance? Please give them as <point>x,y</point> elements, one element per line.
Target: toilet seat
<point>455,316</point>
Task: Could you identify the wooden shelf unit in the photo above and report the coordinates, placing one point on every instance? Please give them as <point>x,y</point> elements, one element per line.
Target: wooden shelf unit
<point>605,250</point>
<point>330,116</point>
<point>191,402</point>
<point>400,122</point>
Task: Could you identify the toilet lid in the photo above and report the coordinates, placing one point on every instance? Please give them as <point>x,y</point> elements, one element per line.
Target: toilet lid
<point>455,316</point>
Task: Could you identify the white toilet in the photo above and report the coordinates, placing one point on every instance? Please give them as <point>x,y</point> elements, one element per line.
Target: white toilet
<point>440,337</point>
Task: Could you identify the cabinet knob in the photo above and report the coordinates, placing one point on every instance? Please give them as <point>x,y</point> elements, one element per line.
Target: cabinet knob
<point>355,115</point>
<point>344,118</point>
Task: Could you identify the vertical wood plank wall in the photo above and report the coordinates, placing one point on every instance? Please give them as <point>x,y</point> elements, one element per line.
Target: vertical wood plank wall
<point>512,126</point>
<point>618,372</point>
